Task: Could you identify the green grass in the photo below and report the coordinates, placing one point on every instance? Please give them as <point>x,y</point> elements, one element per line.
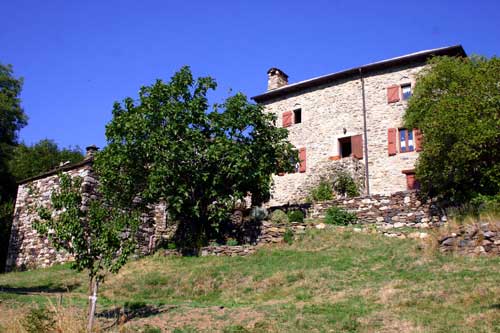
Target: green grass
<point>329,280</point>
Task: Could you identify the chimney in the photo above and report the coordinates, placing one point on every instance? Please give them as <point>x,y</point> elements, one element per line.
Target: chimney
<point>276,78</point>
<point>91,150</point>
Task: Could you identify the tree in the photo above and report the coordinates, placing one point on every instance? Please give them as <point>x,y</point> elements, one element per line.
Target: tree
<point>98,236</point>
<point>45,155</point>
<point>456,105</point>
<point>171,145</point>
<point>12,119</point>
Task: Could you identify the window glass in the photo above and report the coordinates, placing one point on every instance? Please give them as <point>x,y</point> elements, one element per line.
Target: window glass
<point>406,91</point>
<point>402,140</point>
<point>297,115</point>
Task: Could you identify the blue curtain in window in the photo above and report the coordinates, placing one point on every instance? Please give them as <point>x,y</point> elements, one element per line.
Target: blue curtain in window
<point>402,140</point>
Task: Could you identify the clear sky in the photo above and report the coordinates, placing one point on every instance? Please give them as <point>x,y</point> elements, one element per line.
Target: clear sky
<point>78,57</point>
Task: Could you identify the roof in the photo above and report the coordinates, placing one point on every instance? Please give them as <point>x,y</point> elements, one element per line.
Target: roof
<point>65,167</point>
<point>417,57</point>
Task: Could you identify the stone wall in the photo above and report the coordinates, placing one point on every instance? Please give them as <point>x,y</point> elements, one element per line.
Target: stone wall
<point>475,239</point>
<point>400,209</point>
<point>296,187</point>
<point>27,249</point>
<point>335,110</point>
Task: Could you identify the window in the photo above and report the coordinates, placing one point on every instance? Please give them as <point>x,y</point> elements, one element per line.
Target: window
<point>345,147</point>
<point>406,91</point>
<point>405,140</point>
<point>297,116</point>
<point>351,146</point>
<point>396,93</point>
<point>411,182</point>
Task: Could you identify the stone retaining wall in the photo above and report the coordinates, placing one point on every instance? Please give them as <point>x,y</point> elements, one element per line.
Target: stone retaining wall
<point>401,209</point>
<point>476,239</point>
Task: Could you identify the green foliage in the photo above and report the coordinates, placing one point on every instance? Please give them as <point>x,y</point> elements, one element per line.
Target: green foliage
<point>100,237</point>
<point>172,145</point>
<point>455,105</point>
<point>12,119</point>
<point>6,213</point>
<point>29,161</point>
<point>278,216</point>
<point>231,242</point>
<point>39,320</point>
<point>322,192</point>
<point>288,237</point>
<point>338,216</point>
<point>295,216</point>
<point>344,184</point>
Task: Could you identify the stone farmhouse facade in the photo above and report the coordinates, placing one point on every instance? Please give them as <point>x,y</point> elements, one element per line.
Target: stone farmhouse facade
<point>355,114</point>
<point>349,120</point>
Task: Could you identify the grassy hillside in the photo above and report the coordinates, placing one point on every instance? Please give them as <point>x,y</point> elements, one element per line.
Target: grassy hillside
<point>328,281</point>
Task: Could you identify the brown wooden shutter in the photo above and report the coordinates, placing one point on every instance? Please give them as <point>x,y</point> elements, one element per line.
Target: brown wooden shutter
<point>411,182</point>
<point>418,139</point>
<point>357,146</point>
<point>287,118</point>
<point>302,159</point>
<point>391,141</point>
<point>392,94</point>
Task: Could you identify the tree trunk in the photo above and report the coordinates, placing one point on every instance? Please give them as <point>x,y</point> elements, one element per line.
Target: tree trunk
<point>93,287</point>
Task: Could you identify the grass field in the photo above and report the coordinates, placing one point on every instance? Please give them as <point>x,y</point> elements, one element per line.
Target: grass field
<point>331,280</point>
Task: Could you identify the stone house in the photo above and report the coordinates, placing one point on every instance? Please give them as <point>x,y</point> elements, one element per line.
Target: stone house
<point>352,118</point>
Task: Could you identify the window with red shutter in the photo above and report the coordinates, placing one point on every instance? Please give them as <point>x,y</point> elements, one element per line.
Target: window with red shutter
<point>357,146</point>
<point>392,94</point>
<point>302,159</point>
<point>418,139</point>
<point>391,141</point>
<point>287,118</point>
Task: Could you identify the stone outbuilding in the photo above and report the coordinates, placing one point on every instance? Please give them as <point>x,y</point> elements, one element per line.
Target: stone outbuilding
<point>348,116</point>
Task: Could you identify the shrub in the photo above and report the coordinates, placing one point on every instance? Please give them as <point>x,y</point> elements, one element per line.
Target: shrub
<point>344,184</point>
<point>39,320</point>
<point>258,213</point>
<point>231,242</point>
<point>322,192</point>
<point>338,216</point>
<point>288,237</point>
<point>279,216</point>
<point>295,216</point>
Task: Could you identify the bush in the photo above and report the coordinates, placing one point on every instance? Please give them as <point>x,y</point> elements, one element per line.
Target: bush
<point>322,192</point>
<point>338,216</point>
<point>295,216</point>
<point>288,237</point>
<point>39,320</point>
<point>345,184</point>
<point>231,242</point>
<point>279,216</point>
<point>258,213</point>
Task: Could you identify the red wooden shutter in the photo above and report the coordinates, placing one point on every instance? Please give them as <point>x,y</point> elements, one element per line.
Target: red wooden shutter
<point>302,159</point>
<point>287,118</point>
<point>418,139</point>
<point>392,94</point>
<point>391,140</point>
<point>357,146</point>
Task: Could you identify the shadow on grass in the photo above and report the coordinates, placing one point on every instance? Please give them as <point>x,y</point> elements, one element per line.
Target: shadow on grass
<point>133,310</point>
<point>38,289</point>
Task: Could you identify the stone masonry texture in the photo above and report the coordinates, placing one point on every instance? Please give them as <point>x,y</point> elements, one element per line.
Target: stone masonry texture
<point>333,111</point>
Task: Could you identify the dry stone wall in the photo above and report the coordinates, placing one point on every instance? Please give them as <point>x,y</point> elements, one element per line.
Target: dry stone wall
<point>334,111</point>
<point>475,239</point>
<point>400,209</point>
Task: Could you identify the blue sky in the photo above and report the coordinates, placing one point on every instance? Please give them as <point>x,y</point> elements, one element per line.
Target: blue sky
<point>78,57</point>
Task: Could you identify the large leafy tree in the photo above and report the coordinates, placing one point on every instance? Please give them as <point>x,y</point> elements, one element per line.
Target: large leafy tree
<point>171,145</point>
<point>45,155</point>
<point>456,105</point>
<point>12,119</point>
